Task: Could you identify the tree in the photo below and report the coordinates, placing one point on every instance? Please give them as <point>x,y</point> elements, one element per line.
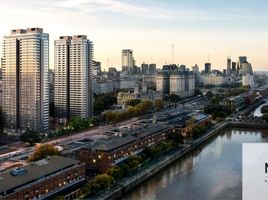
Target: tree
<point>197,131</point>
<point>104,102</point>
<point>104,180</point>
<point>209,94</point>
<point>91,187</point>
<point>132,111</point>
<point>217,111</point>
<point>124,168</point>
<point>198,92</point>
<point>78,123</point>
<point>134,161</point>
<point>98,107</point>
<point>31,137</point>
<point>265,117</point>
<point>215,100</point>
<point>159,105</point>
<point>94,187</point>
<point>173,99</point>
<point>144,106</point>
<point>176,137</point>
<point>43,151</point>
<point>264,109</point>
<point>133,102</point>
<point>59,197</point>
<point>114,172</point>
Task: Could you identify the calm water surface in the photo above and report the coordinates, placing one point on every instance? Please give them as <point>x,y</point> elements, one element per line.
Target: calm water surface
<point>213,171</point>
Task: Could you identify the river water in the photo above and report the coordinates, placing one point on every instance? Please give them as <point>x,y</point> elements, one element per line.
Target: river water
<point>212,171</point>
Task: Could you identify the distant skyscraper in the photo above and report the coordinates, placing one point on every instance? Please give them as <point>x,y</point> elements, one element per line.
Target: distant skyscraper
<point>73,77</point>
<point>229,66</point>
<point>144,69</point>
<point>234,67</point>
<point>195,69</point>
<point>242,59</point>
<point>207,68</point>
<point>244,68</point>
<point>152,69</point>
<point>128,61</point>
<point>25,80</point>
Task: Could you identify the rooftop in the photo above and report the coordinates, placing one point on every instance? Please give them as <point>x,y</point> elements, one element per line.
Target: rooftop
<point>33,172</point>
<point>128,136</point>
<point>112,143</point>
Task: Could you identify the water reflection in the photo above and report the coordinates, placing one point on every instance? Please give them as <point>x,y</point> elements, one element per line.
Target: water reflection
<point>213,171</point>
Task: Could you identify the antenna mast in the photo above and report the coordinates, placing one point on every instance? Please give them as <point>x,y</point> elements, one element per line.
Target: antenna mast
<point>172,46</point>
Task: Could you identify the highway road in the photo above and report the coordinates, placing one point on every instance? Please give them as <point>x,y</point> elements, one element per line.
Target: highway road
<point>92,134</point>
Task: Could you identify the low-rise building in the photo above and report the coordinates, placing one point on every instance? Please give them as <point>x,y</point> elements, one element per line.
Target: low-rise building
<point>109,152</point>
<point>236,102</point>
<point>150,95</point>
<point>41,179</point>
<point>185,124</point>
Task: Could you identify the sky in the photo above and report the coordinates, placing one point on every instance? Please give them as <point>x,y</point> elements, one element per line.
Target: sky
<point>196,28</point>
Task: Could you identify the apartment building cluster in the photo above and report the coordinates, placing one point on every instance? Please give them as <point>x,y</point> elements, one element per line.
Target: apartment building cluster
<point>25,79</point>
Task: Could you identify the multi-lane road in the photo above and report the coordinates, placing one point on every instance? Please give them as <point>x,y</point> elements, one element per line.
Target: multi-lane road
<point>90,134</point>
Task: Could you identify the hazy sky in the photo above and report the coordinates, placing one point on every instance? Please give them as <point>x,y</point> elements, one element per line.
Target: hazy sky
<point>196,28</point>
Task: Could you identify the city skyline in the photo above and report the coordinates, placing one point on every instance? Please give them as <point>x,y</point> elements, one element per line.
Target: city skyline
<point>151,28</point>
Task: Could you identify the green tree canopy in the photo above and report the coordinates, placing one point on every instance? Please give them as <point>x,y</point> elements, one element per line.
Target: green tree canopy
<point>43,151</point>
<point>209,94</point>
<point>198,92</point>
<point>159,105</point>
<point>265,117</point>
<point>31,137</point>
<point>264,109</point>
<point>174,98</point>
<point>133,102</point>
<point>104,102</point>
<point>114,172</point>
<point>104,180</point>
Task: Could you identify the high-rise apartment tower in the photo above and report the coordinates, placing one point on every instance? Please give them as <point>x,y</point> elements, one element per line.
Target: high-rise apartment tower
<point>73,77</point>
<point>25,100</point>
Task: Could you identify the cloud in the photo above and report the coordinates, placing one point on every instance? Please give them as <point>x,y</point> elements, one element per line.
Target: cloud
<point>136,10</point>
<point>168,12</point>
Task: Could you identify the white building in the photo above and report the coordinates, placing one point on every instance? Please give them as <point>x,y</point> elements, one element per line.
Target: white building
<point>25,66</point>
<point>213,79</point>
<point>248,80</point>
<point>73,77</point>
<point>144,94</point>
<point>163,82</point>
<point>182,83</point>
<point>128,61</point>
